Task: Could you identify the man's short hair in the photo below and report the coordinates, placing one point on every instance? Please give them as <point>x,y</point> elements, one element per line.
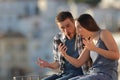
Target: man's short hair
<point>64,15</point>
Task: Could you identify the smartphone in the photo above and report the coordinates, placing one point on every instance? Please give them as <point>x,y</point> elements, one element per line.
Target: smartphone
<point>58,41</point>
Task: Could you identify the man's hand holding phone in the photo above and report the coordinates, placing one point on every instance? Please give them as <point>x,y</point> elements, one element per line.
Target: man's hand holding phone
<point>59,42</point>
<point>61,47</point>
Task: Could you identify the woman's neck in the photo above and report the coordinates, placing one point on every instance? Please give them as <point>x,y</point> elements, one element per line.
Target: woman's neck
<point>94,35</point>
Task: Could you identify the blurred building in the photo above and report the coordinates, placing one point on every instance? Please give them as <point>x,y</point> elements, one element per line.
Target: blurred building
<point>12,11</point>
<point>27,28</point>
<point>110,4</point>
<point>13,55</point>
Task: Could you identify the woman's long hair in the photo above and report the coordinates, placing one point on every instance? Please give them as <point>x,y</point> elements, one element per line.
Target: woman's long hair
<point>87,22</point>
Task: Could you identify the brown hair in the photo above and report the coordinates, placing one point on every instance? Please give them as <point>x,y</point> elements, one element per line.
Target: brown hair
<point>64,15</point>
<point>87,22</point>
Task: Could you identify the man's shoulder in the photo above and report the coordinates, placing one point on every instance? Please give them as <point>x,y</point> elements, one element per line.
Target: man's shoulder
<point>58,35</point>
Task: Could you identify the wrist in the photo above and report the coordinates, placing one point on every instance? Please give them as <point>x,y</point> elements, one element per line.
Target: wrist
<point>95,48</point>
<point>65,55</point>
<point>48,66</point>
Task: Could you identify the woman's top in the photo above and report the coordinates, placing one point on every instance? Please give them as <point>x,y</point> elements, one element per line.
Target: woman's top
<point>102,65</point>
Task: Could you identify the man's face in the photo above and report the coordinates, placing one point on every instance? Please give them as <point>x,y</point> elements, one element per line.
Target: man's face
<point>67,27</point>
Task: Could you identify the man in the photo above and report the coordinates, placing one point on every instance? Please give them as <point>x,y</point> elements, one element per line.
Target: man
<point>65,22</point>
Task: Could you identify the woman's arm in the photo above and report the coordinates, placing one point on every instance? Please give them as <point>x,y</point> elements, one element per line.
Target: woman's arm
<point>84,56</point>
<point>106,37</point>
<point>112,52</point>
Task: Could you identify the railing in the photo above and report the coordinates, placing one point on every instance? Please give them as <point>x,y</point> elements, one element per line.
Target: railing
<point>26,78</point>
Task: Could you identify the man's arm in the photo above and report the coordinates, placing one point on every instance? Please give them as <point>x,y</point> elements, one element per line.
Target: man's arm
<point>54,65</point>
<point>45,64</point>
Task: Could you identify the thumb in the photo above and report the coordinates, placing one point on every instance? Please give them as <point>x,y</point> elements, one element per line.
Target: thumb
<point>39,59</point>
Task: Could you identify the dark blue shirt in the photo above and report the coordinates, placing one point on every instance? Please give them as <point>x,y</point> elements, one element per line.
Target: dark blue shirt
<point>72,51</point>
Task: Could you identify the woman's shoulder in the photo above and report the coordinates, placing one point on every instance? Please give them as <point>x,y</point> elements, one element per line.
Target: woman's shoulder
<point>104,34</point>
<point>104,31</point>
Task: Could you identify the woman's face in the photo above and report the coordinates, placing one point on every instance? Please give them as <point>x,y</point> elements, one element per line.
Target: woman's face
<point>81,30</point>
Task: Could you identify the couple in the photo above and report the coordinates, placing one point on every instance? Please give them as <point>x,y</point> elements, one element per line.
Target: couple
<point>82,40</point>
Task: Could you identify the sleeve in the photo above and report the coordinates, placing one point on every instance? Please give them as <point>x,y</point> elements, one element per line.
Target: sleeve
<point>88,64</point>
<point>79,44</point>
<point>55,51</point>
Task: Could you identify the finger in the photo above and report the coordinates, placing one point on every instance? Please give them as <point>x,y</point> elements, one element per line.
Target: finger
<point>39,59</point>
<point>85,39</point>
<point>41,62</point>
<point>64,48</point>
<point>88,39</point>
<point>61,44</point>
<point>38,63</point>
<point>84,42</point>
<point>91,39</point>
<point>61,47</point>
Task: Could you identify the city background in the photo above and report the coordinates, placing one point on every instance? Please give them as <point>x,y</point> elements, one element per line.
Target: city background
<point>27,28</point>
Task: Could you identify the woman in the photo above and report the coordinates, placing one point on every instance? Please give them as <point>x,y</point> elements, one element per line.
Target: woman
<point>100,46</point>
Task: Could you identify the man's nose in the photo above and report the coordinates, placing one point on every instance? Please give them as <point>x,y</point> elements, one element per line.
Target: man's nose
<point>66,30</point>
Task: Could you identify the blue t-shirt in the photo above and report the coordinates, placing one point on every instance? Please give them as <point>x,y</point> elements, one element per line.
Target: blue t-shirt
<point>66,67</point>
